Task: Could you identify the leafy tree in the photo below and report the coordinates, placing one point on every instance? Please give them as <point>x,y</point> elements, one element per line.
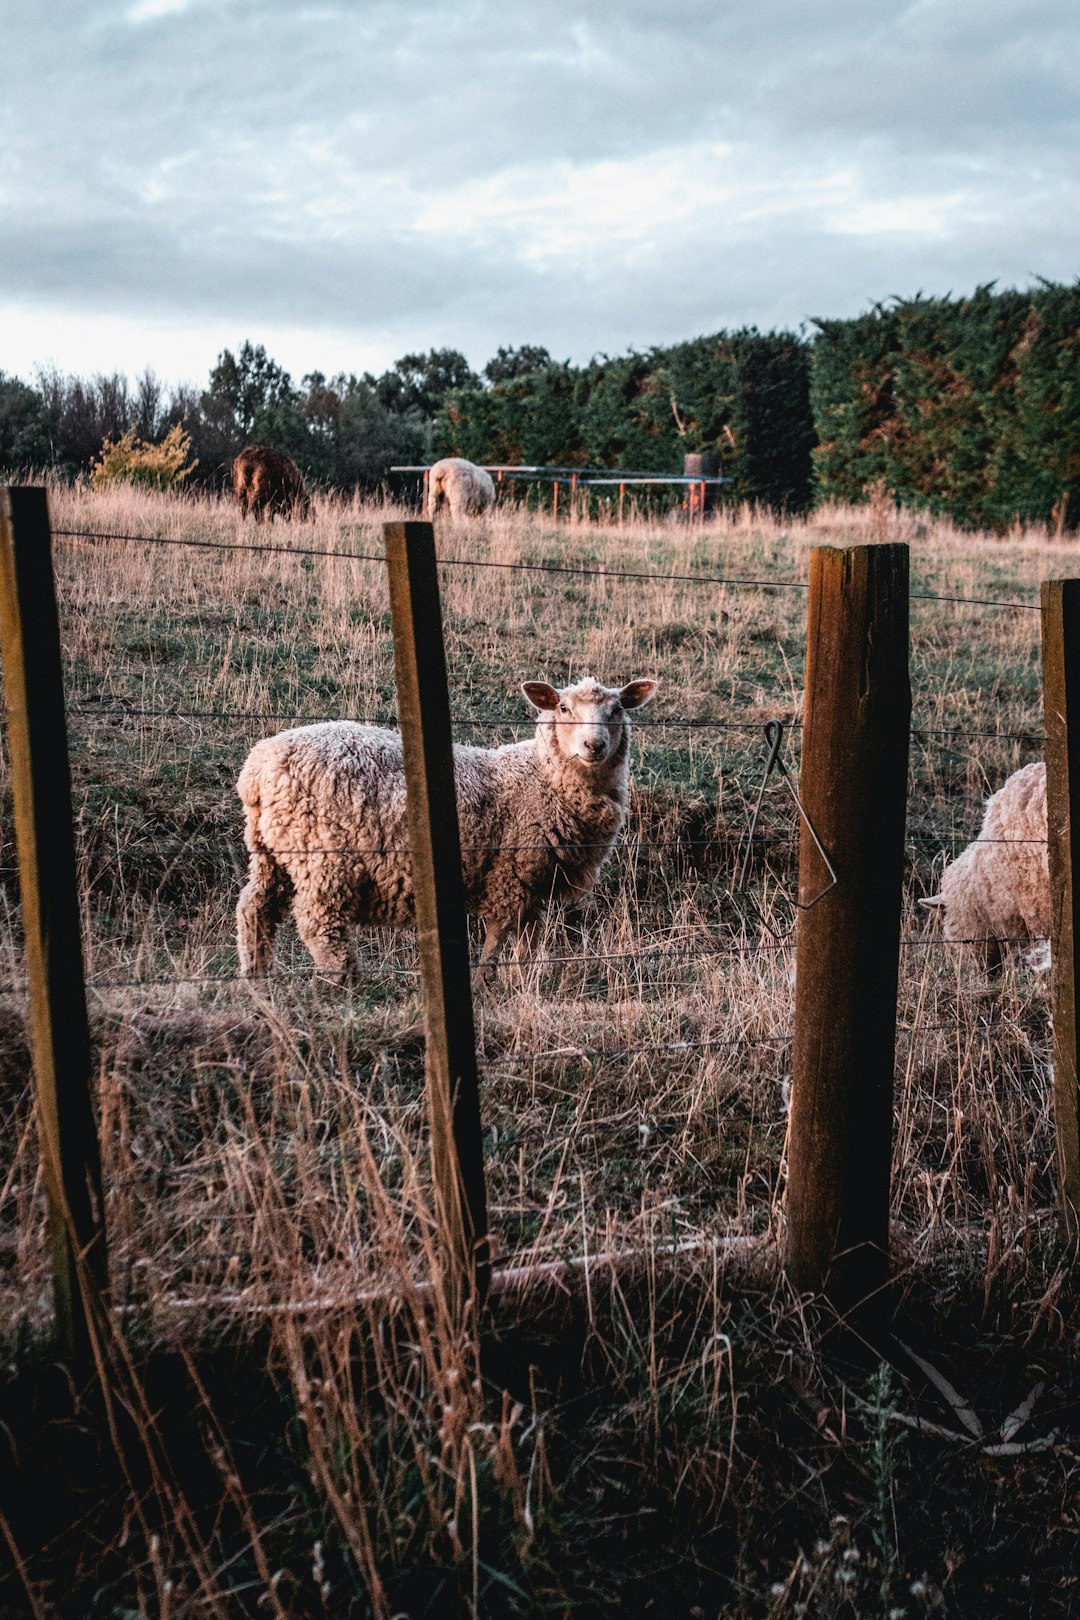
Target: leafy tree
<point>148,407</point>
<point>24,427</point>
<point>532,418</point>
<point>251,399</point>
<point>508,364</point>
<point>355,436</point>
<point>967,406</point>
<point>745,394</point>
<point>421,382</point>
<point>82,414</point>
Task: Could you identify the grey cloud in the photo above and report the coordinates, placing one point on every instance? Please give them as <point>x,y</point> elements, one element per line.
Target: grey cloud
<point>234,159</point>
<point>492,83</point>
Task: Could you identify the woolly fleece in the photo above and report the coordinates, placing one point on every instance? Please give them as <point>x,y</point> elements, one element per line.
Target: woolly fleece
<point>467,490</point>
<point>326,829</point>
<point>996,890</point>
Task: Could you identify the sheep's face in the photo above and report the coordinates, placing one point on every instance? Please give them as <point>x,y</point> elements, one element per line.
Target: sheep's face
<point>586,722</point>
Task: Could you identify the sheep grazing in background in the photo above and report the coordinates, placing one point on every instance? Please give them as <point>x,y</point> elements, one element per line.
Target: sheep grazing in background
<point>327,833</point>
<point>463,488</point>
<point>268,484</point>
<point>999,888</point>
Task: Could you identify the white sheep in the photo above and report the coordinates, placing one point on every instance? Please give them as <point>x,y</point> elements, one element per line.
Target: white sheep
<point>327,833</point>
<point>999,887</point>
<point>461,486</point>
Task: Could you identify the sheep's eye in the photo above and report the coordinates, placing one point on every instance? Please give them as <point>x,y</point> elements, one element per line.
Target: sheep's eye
<point>563,709</point>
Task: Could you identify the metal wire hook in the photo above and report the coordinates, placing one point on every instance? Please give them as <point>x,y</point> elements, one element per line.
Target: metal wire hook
<point>774,737</point>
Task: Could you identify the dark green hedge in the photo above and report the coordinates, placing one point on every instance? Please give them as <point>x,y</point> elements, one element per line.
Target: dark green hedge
<point>967,406</point>
<point>745,394</point>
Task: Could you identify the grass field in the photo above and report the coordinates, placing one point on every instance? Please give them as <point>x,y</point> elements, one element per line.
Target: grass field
<point>678,1447</point>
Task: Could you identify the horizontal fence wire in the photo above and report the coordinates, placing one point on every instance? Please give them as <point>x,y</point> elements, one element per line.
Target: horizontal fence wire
<point>88,710</point>
<point>584,959</point>
<point>588,1053</point>
<point>521,567</point>
<point>976,601</point>
<point>449,562</point>
<point>123,711</point>
<point>630,846</point>
<point>260,546</point>
<point>613,1053</point>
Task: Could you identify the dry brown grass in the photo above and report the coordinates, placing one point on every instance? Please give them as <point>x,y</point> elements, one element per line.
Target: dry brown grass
<point>264,1145</point>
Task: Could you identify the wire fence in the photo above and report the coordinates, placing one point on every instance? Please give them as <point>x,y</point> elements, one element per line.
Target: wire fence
<point>774,845</point>
<point>116,709</point>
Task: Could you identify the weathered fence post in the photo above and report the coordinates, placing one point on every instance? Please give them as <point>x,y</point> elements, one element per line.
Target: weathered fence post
<point>59,1033</point>
<point>853,787</point>
<point>1061,685</point>
<point>703,465</point>
<point>442,930</point>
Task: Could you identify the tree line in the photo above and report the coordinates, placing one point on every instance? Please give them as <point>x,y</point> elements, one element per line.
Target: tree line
<point>968,406</point>
<point>344,431</point>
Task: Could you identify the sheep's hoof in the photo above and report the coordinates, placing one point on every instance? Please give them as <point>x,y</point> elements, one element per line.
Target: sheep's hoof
<point>341,978</point>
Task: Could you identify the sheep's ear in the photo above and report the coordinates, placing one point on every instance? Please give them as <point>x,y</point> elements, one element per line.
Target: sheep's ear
<point>933,900</point>
<point>540,694</point>
<point>637,693</point>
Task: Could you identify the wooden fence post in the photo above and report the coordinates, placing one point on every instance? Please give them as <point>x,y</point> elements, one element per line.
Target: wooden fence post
<point>442,931</point>
<point>59,1032</point>
<point>1061,684</point>
<point>853,788</point>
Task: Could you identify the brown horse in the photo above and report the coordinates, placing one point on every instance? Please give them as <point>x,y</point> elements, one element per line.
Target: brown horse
<point>268,484</point>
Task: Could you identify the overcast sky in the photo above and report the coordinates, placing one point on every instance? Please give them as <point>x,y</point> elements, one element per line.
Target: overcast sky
<point>346,182</point>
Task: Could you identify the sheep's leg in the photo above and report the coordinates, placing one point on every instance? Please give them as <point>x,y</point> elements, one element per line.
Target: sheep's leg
<point>523,932</point>
<point>495,937</point>
<point>329,944</point>
<point>262,905</point>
